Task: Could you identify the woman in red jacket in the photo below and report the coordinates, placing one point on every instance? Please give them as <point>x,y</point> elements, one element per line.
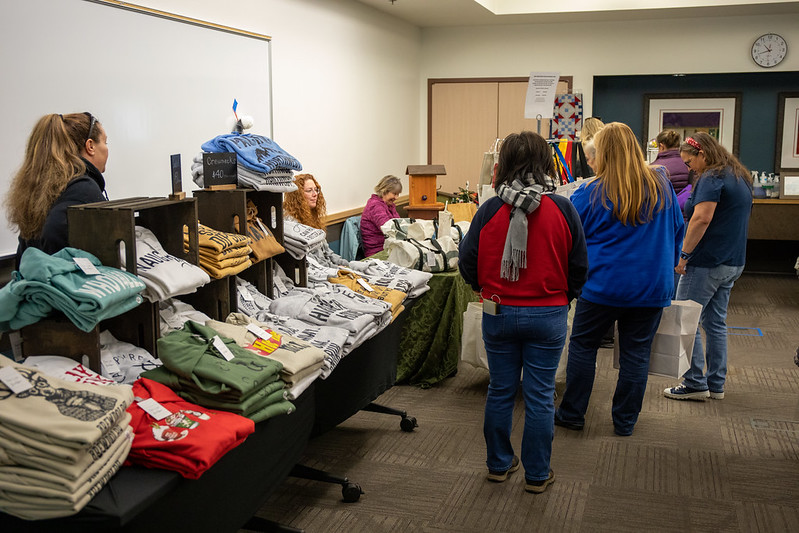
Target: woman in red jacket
<point>525,255</point>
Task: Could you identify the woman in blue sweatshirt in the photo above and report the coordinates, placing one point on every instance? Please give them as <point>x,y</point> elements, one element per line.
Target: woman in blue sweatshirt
<point>525,255</point>
<point>633,229</point>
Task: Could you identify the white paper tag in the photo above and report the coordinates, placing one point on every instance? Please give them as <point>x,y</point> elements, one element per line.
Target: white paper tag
<point>154,409</point>
<point>246,295</point>
<point>223,349</point>
<point>111,367</point>
<point>258,332</point>
<point>280,285</point>
<point>431,259</point>
<point>365,285</point>
<point>14,380</point>
<point>86,266</point>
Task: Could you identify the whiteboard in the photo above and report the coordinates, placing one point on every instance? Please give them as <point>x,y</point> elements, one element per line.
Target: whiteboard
<point>158,86</point>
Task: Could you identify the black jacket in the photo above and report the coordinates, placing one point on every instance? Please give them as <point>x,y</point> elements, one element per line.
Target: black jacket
<point>85,189</point>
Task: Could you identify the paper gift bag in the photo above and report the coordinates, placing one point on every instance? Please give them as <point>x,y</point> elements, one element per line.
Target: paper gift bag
<point>674,340</point>
<point>473,350</point>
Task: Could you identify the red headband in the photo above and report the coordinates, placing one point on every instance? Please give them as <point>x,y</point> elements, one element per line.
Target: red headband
<point>693,143</point>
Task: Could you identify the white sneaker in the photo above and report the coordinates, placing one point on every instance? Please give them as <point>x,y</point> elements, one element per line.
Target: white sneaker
<point>716,395</point>
<point>681,392</point>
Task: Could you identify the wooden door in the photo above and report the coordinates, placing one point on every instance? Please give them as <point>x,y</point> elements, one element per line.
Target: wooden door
<point>467,116</point>
<point>463,125</point>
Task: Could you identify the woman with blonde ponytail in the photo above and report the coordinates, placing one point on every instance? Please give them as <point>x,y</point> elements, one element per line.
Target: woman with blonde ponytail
<point>633,230</point>
<point>64,161</point>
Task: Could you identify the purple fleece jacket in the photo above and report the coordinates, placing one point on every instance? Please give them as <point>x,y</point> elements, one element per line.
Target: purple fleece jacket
<point>678,172</point>
<point>375,214</point>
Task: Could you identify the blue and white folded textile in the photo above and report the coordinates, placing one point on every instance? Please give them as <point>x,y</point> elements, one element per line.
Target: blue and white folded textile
<point>254,151</point>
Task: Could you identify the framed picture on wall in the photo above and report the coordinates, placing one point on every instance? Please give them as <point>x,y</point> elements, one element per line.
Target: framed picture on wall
<point>718,114</point>
<point>787,149</point>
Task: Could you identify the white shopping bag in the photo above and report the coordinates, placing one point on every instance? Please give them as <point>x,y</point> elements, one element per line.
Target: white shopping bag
<point>473,350</point>
<point>674,340</point>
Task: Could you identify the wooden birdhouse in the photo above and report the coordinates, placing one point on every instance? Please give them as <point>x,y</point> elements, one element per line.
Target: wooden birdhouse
<point>422,191</point>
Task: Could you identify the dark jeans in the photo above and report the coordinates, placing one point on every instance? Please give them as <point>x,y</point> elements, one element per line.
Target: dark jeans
<point>637,326</point>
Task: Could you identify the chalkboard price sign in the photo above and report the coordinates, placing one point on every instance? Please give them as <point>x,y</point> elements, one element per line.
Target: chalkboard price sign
<point>177,179</point>
<point>219,169</point>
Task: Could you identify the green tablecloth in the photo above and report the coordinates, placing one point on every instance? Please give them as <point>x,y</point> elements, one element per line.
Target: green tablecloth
<point>430,345</point>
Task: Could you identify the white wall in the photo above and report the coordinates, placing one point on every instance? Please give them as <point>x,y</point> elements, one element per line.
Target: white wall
<point>345,81</point>
<point>587,49</point>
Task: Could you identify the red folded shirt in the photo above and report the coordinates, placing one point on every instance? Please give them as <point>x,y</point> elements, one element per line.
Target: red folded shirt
<point>190,440</point>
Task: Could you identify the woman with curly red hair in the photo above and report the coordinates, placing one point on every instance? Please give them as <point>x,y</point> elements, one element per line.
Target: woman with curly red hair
<point>307,204</point>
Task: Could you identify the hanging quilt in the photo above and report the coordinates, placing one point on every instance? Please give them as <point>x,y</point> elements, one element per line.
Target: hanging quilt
<point>567,116</point>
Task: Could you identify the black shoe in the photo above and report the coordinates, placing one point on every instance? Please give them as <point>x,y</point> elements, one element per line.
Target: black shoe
<point>568,425</point>
<point>537,487</point>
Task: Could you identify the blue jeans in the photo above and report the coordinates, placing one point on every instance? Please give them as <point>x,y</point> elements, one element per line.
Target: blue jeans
<point>637,327</point>
<point>710,287</point>
<point>529,338</point>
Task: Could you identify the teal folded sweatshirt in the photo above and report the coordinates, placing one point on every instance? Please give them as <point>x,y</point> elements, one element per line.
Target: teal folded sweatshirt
<point>48,283</point>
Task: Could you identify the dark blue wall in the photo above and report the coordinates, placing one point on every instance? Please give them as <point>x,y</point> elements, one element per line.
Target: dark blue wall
<point>621,99</point>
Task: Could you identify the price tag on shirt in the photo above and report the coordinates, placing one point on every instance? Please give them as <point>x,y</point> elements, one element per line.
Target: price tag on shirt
<point>258,332</point>
<point>431,258</point>
<point>280,285</point>
<point>223,349</point>
<point>86,266</point>
<point>14,380</point>
<point>111,367</point>
<point>154,409</point>
<point>245,294</point>
<point>366,286</point>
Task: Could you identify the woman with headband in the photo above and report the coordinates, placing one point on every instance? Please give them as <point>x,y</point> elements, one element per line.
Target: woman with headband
<point>712,258</point>
<point>64,161</point>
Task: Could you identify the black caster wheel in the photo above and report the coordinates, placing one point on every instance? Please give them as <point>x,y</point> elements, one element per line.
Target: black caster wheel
<point>351,492</point>
<point>408,424</point>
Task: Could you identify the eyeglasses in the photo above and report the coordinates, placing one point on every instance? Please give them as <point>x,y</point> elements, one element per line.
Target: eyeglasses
<point>314,190</point>
<point>92,122</point>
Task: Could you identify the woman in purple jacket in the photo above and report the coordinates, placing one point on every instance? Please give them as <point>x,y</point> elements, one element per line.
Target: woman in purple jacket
<point>379,209</point>
<point>669,157</point>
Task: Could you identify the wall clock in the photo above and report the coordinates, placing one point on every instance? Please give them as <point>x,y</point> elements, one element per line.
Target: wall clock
<point>769,50</point>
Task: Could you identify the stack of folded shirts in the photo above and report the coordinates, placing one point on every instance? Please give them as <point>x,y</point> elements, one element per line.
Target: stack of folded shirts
<point>278,180</point>
<point>221,254</point>
<point>324,262</point>
<point>60,442</point>
<point>67,369</point>
<point>385,274</point>
<point>173,313</point>
<point>189,440</point>
<point>48,283</point>
<point>299,239</point>
<point>358,284</point>
<point>335,306</point>
<point>165,275</point>
<point>299,358</point>
<point>255,152</point>
<point>122,361</point>
<point>254,305</point>
<point>213,371</point>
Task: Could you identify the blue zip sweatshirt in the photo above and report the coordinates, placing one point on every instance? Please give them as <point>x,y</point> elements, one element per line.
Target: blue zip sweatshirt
<point>629,266</point>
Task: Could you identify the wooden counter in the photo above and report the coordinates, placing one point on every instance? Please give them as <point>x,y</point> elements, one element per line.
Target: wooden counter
<point>774,219</point>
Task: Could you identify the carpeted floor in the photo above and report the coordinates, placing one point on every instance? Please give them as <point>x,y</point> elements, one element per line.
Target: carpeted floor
<point>728,465</point>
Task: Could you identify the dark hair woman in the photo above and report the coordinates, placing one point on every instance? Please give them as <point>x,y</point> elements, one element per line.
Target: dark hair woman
<point>525,255</point>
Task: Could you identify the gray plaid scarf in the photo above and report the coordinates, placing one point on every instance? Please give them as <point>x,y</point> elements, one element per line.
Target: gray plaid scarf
<point>524,197</point>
